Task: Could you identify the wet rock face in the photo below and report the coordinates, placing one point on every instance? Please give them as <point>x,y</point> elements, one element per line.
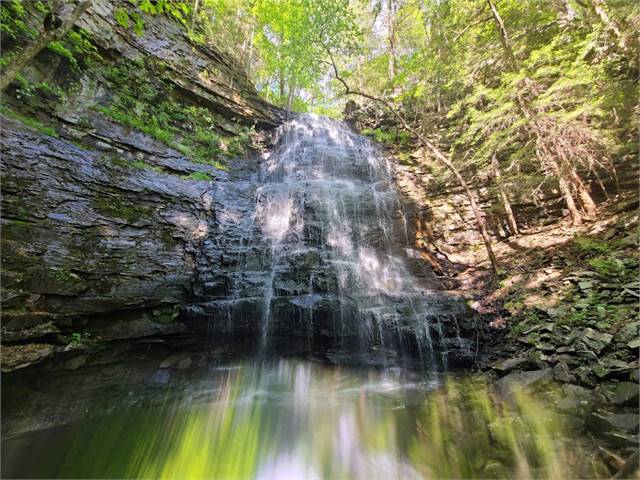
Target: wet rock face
<point>84,237</point>
<point>314,245</point>
<point>104,234</point>
<point>102,224</point>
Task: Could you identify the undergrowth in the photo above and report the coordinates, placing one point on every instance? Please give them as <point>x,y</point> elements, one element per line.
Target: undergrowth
<point>149,106</point>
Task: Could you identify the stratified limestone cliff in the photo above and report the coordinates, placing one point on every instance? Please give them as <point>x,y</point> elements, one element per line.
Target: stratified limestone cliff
<point>103,212</point>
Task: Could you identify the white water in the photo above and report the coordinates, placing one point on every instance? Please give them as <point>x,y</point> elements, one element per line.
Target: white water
<point>328,195</point>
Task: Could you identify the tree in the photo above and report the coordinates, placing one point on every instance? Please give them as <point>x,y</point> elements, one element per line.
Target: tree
<point>551,157</point>
<point>54,27</point>
<point>290,36</point>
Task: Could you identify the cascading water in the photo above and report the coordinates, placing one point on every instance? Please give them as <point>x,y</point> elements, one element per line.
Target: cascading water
<point>321,253</point>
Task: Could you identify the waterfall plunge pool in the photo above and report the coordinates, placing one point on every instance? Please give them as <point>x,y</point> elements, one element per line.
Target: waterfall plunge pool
<point>277,419</point>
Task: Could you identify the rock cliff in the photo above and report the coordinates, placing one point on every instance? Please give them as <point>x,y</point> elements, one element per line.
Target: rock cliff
<point>104,208</point>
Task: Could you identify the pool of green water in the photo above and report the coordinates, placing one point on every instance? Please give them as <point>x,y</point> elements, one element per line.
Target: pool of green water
<point>286,419</point>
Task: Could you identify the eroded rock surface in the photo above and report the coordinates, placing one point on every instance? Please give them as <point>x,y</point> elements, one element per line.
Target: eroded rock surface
<point>83,236</point>
<point>101,222</point>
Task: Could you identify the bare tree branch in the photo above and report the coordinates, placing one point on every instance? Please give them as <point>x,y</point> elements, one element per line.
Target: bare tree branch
<point>471,25</point>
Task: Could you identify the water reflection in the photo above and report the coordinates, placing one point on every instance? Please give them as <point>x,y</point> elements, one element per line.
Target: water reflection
<point>294,419</point>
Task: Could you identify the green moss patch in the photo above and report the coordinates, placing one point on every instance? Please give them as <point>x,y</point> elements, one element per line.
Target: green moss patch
<point>146,102</point>
<point>31,122</point>
<point>117,208</point>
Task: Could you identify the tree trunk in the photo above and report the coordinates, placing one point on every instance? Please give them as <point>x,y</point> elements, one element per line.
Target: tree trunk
<point>511,219</point>
<point>587,203</point>
<point>626,48</point>
<point>576,218</point>
<point>504,38</point>
<point>599,9</point>
<point>565,9</point>
<point>194,15</point>
<point>248,56</point>
<point>442,158</point>
<point>477,211</point>
<point>290,98</point>
<point>45,38</point>
<point>281,83</point>
<point>391,39</point>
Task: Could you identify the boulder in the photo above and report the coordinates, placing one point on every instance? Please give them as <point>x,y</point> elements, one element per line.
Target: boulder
<point>532,379</point>
<point>15,357</point>
<point>576,398</point>
<point>626,393</point>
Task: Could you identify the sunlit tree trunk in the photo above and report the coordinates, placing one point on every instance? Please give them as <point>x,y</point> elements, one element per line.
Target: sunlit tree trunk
<point>587,203</point>
<point>290,97</point>
<point>576,217</point>
<point>564,185</point>
<point>626,48</point>
<point>511,219</point>
<point>504,37</point>
<point>45,37</point>
<point>194,14</point>
<point>599,8</point>
<point>565,9</point>
<point>281,84</point>
<point>247,65</point>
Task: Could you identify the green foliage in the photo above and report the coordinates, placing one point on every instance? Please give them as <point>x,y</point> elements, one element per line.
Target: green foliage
<point>144,102</point>
<point>29,121</point>
<point>178,10</point>
<point>63,275</point>
<point>78,339</point>
<point>61,49</point>
<point>608,266</point>
<point>452,80</point>
<point>133,17</point>
<point>142,165</point>
<point>126,19</point>
<point>122,17</point>
<point>76,48</point>
<point>591,246</point>
<point>198,176</point>
<point>12,20</point>
<point>393,135</point>
<point>294,38</point>
<point>117,208</point>
<point>26,90</point>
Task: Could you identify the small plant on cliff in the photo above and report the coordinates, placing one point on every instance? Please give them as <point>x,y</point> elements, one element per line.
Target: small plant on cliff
<point>28,121</point>
<point>12,20</point>
<point>132,17</point>
<point>145,103</point>
<point>199,176</point>
<point>77,339</point>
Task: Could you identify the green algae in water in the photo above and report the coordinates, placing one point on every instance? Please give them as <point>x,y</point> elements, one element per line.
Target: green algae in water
<point>302,420</point>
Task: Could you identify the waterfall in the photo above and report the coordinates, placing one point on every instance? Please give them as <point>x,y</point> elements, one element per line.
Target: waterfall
<point>320,252</point>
